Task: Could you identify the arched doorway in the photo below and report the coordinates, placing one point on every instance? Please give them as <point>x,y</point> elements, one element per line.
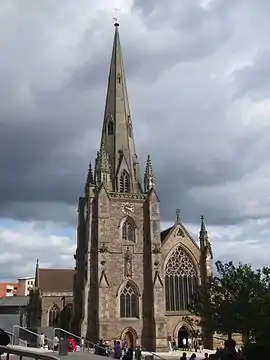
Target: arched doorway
<point>130,336</point>
<point>182,333</point>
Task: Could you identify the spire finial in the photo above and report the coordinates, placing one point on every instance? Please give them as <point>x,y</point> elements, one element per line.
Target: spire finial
<point>115,18</point>
<point>178,211</point>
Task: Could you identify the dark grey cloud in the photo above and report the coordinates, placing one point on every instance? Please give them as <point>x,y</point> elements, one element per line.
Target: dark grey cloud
<point>253,79</point>
<point>184,64</point>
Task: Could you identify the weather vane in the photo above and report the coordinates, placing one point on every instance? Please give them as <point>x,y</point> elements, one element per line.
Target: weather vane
<point>116,18</point>
<point>178,215</point>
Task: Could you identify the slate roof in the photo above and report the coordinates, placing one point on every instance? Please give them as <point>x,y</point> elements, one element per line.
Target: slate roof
<point>14,301</point>
<point>164,233</point>
<point>56,280</point>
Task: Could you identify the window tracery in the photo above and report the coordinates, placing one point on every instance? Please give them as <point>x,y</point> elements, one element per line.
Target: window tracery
<point>129,301</point>
<point>124,183</point>
<point>128,231</point>
<point>181,280</point>
<point>54,312</point>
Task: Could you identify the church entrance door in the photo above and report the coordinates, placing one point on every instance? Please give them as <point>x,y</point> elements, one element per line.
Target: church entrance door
<point>130,336</point>
<point>182,333</point>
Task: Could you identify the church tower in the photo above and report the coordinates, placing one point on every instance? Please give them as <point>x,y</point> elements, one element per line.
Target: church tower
<point>118,285</point>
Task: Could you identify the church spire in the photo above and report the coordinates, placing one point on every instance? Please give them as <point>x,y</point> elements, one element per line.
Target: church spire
<point>117,134</point>
<point>37,275</point>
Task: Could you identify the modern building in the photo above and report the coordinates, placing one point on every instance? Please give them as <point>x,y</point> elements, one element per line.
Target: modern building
<point>132,280</point>
<point>13,311</point>
<point>8,289</point>
<point>25,284</point>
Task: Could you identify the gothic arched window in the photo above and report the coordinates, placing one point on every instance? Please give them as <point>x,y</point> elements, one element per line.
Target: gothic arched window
<point>110,128</point>
<point>124,183</point>
<point>53,315</point>
<point>181,281</point>
<point>129,301</point>
<point>128,230</point>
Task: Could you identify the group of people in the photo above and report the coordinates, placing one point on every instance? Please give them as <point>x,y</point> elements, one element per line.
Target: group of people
<point>122,350</point>
<point>227,352</point>
<point>188,344</point>
<point>43,341</point>
<point>193,356</point>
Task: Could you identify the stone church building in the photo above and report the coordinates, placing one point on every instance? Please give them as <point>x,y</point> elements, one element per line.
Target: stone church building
<point>131,280</point>
<point>50,300</point>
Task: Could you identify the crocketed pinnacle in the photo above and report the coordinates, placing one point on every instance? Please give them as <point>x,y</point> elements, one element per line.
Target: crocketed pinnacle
<point>203,231</point>
<point>149,168</point>
<point>103,159</point>
<point>204,241</point>
<point>90,178</point>
<point>149,177</point>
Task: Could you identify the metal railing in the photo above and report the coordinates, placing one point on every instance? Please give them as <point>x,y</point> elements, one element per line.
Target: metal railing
<point>25,353</point>
<point>38,336</point>
<point>13,336</point>
<point>87,344</point>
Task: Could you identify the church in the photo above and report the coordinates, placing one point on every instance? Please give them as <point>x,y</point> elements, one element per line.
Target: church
<point>131,279</point>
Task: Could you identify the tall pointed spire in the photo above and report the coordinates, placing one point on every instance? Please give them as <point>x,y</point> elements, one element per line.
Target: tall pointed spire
<point>117,135</point>
<point>37,275</point>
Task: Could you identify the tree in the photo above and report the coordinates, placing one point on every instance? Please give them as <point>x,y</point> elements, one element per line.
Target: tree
<point>232,301</point>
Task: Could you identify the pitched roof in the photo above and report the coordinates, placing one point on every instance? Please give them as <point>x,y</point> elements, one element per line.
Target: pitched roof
<point>164,233</point>
<point>56,280</point>
<point>14,301</point>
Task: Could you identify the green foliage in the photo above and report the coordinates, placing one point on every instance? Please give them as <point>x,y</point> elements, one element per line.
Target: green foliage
<point>236,300</point>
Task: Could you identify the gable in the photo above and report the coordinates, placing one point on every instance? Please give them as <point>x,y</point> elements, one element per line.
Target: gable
<point>179,231</point>
<point>177,235</point>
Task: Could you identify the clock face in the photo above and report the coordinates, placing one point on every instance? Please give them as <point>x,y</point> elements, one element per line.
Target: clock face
<point>127,208</point>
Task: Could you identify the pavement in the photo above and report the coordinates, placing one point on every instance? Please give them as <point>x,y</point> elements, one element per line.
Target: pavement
<point>84,355</point>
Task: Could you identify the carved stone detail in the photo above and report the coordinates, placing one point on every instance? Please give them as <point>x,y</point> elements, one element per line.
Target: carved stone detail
<point>127,196</point>
<point>128,263</point>
<point>103,248</point>
<point>156,249</point>
<point>180,233</point>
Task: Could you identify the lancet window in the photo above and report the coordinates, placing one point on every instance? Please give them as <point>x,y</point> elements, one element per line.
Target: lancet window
<point>110,128</point>
<point>124,183</point>
<point>53,315</point>
<point>128,230</point>
<point>129,301</point>
<point>181,281</point>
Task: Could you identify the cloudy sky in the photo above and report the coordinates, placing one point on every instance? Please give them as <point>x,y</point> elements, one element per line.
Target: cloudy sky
<point>199,84</point>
